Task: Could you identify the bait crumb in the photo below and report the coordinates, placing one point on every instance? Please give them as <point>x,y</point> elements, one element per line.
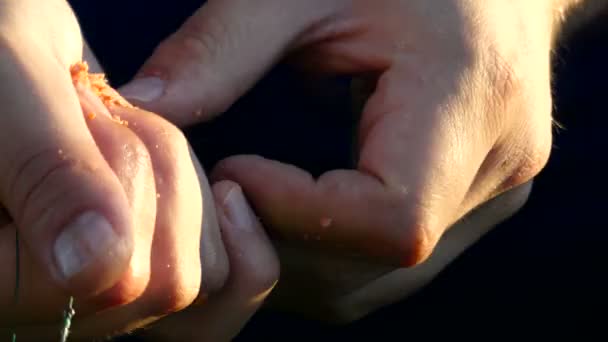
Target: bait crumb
<point>326,222</point>
<point>91,116</point>
<point>157,195</point>
<point>120,121</point>
<point>100,87</point>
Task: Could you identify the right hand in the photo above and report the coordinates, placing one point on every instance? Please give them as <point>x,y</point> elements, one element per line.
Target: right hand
<point>92,199</point>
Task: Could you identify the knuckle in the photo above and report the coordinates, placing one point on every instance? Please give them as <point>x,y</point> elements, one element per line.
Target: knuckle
<point>174,148</point>
<point>417,233</point>
<point>173,141</point>
<point>126,291</point>
<point>528,163</point>
<point>527,151</point>
<point>176,138</point>
<point>32,180</point>
<point>177,292</point>
<point>520,109</point>
<point>420,243</point>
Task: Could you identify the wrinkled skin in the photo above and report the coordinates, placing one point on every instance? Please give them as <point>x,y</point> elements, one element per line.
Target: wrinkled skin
<point>455,115</point>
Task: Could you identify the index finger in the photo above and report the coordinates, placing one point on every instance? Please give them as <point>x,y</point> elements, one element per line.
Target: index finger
<point>345,211</point>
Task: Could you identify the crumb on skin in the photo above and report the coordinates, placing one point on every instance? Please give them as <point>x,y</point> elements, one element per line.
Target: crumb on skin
<point>326,222</point>
<point>100,87</point>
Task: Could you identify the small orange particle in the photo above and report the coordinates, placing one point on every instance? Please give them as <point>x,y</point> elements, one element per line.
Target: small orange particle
<point>100,87</point>
<point>326,222</point>
<point>120,121</point>
<point>91,116</point>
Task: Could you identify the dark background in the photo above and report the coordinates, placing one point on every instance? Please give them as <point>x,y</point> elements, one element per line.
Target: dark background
<point>542,272</point>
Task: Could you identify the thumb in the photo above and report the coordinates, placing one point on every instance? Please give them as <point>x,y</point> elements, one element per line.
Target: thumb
<point>69,206</point>
<point>217,55</point>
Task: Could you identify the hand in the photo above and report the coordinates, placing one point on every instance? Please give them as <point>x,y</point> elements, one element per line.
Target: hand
<point>119,217</point>
<point>457,110</point>
<point>254,270</point>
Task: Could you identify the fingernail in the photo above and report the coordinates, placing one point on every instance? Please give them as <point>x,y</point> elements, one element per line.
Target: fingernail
<point>237,210</point>
<point>146,89</point>
<point>83,241</point>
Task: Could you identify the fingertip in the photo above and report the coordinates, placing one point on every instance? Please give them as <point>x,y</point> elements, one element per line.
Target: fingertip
<point>234,208</point>
<point>253,261</point>
<point>144,90</point>
<point>252,172</point>
<point>222,188</point>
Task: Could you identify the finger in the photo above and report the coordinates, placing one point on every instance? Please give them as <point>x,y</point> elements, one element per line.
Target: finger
<point>254,271</point>
<point>335,212</point>
<point>123,153</point>
<point>401,283</point>
<point>69,205</point>
<point>188,259</point>
<point>178,172</point>
<point>218,54</point>
<point>131,161</point>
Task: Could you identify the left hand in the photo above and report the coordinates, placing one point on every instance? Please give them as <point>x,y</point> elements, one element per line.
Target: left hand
<point>459,112</point>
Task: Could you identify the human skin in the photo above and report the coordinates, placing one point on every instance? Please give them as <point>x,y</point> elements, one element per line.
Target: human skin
<point>455,123</point>
<point>22,128</point>
<point>147,238</point>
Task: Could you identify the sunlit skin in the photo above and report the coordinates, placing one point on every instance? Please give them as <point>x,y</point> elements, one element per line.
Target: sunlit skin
<point>455,124</point>
<point>167,241</point>
<point>455,107</point>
